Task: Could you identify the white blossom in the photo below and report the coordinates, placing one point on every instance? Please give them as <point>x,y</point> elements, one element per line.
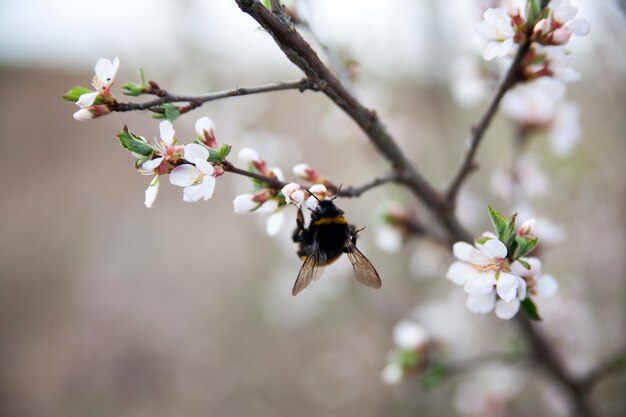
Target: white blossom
<point>497,28</point>
<point>197,179</point>
<point>541,285</point>
<point>320,192</point>
<point>294,194</point>
<point>409,335</point>
<point>392,374</point>
<point>388,238</point>
<point>483,273</point>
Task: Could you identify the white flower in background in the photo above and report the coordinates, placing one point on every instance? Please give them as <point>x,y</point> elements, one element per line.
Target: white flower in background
<point>409,335</point>
<point>533,103</point>
<point>389,238</point>
<point>530,180</point>
<point>197,179</point>
<point>489,392</point>
<point>205,129</point>
<point>561,23</point>
<point>541,285</point>
<point>548,232</point>
<point>249,155</point>
<point>497,28</point>
<point>565,132</point>
<point>470,82</point>
<point>483,273</point>
<point>392,374</point>
<point>555,62</point>
<point>294,194</point>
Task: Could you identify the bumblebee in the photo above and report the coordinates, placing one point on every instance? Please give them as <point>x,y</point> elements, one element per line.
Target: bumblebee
<point>327,237</point>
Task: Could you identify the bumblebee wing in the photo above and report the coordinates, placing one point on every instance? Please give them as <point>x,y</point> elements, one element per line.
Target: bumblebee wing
<point>363,269</point>
<point>310,270</point>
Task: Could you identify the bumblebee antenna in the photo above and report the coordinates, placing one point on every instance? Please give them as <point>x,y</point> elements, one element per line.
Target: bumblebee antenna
<point>337,193</point>
<point>314,196</point>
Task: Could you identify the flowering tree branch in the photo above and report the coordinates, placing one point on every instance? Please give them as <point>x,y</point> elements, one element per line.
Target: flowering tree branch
<point>197,100</point>
<point>512,77</point>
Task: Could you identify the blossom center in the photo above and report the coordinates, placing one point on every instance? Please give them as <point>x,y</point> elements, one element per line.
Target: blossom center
<point>496,264</point>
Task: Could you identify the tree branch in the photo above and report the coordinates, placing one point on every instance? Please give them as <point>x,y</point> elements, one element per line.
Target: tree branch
<point>198,100</point>
<point>512,77</point>
<point>349,192</point>
<point>302,55</point>
<point>611,365</point>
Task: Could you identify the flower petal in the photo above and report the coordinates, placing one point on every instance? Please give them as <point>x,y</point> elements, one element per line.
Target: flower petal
<point>204,166</point>
<point>269,206</point>
<point>392,374</point>
<point>460,272</point>
<point>409,335</point>
<point>87,99</point>
<point>463,251</point>
<point>493,248</point>
<point>184,175</point>
<point>194,151</point>
<point>506,310</point>
<point>481,283</point>
<point>82,115</point>
<point>274,223</point>
<point>167,132</point>
<point>152,191</point>
<point>579,27</point>
<point>152,164</point>
<point>244,203</point>
<point>106,71</point>
<point>507,286</point>
<point>546,286</point>
<point>481,303</point>
<point>192,193</point>
<point>204,124</point>
<point>207,187</point>
<point>248,155</point>
<point>318,188</point>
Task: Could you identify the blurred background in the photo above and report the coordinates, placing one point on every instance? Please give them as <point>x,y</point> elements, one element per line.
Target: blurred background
<point>108,308</point>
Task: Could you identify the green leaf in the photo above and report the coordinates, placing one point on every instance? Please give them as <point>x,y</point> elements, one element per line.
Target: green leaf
<point>224,150</point>
<point>499,221</point>
<point>214,156</point>
<point>524,264</point>
<point>167,111</point>
<point>266,3</point>
<point>435,374</point>
<point>409,359</point>
<point>523,246</point>
<point>139,162</point>
<point>533,9</point>
<point>483,239</point>
<point>134,143</point>
<point>133,89</point>
<point>75,92</point>
<point>529,307</point>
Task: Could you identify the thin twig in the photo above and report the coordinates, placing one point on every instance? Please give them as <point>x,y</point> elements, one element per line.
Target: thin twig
<point>512,77</point>
<point>299,52</point>
<point>348,192</point>
<point>611,365</point>
<point>198,100</point>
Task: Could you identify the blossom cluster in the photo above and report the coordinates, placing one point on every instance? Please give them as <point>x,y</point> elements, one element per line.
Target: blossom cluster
<point>497,272</point>
<point>537,103</point>
<point>266,198</point>
<point>194,166</point>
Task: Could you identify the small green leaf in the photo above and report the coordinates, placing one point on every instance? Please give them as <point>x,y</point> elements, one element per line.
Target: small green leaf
<point>167,111</point>
<point>133,89</point>
<point>524,245</point>
<point>224,150</point>
<point>483,239</point>
<point>134,143</point>
<point>75,92</point>
<point>409,359</point>
<point>524,264</point>
<point>499,221</point>
<point>139,162</point>
<point>529,307</point>
<point>266,3</point>
<point>214,156</point>
<point>142,78</point>
<point>435,374</point>
<point>533,9</point>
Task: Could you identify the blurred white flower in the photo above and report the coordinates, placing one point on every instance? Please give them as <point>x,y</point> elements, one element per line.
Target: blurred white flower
<point>529,180</point>
<point>497,28</point>
<point>533,103</point>
<point>409,335</point>
<point>489,392</point>
<point>392,374</point>
<point>197,179</point>
<point>471,84</point>
<point>541,285</point>
<point>560,24</point>
<point>565,131</point>
<point>388,238</point>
